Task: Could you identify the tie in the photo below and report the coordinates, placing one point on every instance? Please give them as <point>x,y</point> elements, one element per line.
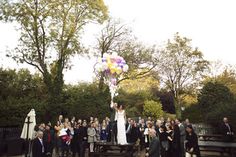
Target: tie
<point>41,141</point>
<point>49,137</point>
<point>228,127</point>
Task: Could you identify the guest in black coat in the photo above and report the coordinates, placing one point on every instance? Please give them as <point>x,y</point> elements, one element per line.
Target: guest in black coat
<point>227,131</point>
<point>176,148</point>
<point>170,135</point>
<point>82,139</point>
<point>142,127</point>
<point>154,147</point>
<point>128,128</point>
<point>48,139</point>
<point>74,141</point>
<point>192,148</point>
<point>164,144</point>
<point>134,133</point>
<point>38,147</point>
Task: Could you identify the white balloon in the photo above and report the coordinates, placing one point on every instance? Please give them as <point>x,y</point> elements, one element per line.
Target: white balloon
<point>104,66</point>
<point>114,54</point>
<point>98,67</point>
<point>125,68</point>
<point>105,55</point>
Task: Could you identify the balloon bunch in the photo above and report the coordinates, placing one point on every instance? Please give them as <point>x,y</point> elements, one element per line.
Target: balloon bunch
<point>112,66</point>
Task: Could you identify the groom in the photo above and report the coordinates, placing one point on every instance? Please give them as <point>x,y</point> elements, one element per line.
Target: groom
<point>112,124</point>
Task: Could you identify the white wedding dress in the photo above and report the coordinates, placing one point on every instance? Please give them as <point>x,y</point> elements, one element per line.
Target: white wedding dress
<point>121,132</point>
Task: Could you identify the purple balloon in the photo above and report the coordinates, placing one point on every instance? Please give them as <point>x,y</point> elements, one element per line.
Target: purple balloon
<point>104,59</point>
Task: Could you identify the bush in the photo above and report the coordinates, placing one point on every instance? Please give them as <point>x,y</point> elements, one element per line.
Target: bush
<point>214,93</point>
<point>215,116</point>
<point>193,113</point>
<point>216,101</point>
<point>153,109</point>
<point>169,115</point>
<point>14,111</point>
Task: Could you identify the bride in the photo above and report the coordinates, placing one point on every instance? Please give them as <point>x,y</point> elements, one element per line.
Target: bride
<point>121,119</point>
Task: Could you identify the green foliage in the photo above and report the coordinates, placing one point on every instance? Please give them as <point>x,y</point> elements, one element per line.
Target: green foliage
<point>214,93</point>
<point>193,113</point>
<point>216,115</point>
<point>217,101</point>
<point>14,111</point>
<point>180,66</point>
<point>85,100</point>
<point>133,101</point>
<point>227,78</point>
<point>50,33</point>
<point>20,91</point>
<point>153,109</point>
<point>169,115</point>
<point>20,84</point>
<point>136,85</point>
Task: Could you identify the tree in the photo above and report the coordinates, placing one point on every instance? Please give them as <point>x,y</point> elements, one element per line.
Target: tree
<point>140,84</point>
<point>214,93</point>
<point>50,34</point>
<point>134,92</point>
<point>166,99</point>
<point>217,101</point>
<point>180,66</point>
<point>227,77</point>
<point>153,109</point>
<point>20,91</point>
<point>19,84</point>
<point>85,100</point>
<point>116,37</point>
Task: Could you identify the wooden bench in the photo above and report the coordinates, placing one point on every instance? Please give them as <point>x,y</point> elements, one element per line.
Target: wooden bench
<point>216,146</point>
<point>211,137</point>
<point>118,154</point>
<point>111,149</point>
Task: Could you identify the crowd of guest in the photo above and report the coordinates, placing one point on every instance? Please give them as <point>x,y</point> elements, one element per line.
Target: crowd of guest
<point>73,136</point>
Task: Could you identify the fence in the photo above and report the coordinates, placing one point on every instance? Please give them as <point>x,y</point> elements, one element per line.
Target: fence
<point>203,129</point>
<point>9,133</point>
<point>10,136</point>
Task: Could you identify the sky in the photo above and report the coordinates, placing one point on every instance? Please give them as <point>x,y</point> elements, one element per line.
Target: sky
<point>209,23</point>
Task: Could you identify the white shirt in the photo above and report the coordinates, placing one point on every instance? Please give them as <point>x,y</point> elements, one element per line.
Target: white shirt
<point>41,141</point>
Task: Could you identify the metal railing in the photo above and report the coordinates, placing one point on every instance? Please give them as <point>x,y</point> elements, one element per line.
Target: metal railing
<point>9,133</point>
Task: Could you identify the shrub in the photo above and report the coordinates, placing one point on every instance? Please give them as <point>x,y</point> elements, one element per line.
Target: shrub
<point>153,109</point>
<point>193,113</point>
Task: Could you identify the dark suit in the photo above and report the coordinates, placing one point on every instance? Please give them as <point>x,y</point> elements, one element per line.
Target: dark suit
<point>154,148</point>
<point>164,147</point>
<point>134,134</point>
<point>112,127</point>
<point>227,132</point>
<point>74,142</point>
<point>176,143</point>
<point>82,140</point>
<point>48,136</point>
<point>128,128</point>
<point>38,148</point>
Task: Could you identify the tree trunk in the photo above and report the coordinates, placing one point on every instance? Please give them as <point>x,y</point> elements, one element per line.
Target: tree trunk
<point>54,86</point>
<point>177,102</point>
<point>101,82</point>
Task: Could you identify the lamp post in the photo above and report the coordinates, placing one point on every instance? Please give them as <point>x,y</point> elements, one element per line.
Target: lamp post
<point>27,135</point>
